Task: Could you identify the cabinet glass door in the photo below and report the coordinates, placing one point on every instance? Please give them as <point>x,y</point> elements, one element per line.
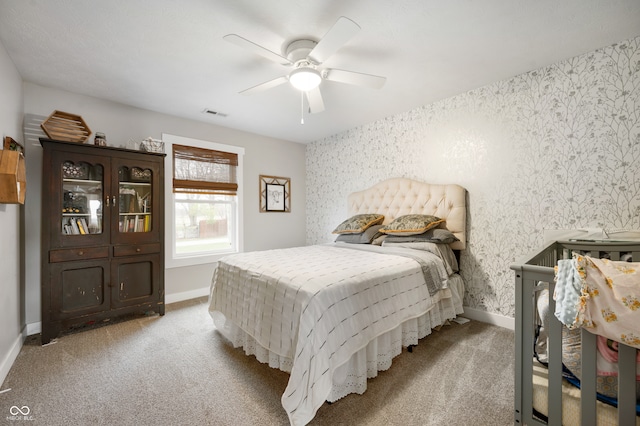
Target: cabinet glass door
<point>82,195</point>
<point>135,192</point>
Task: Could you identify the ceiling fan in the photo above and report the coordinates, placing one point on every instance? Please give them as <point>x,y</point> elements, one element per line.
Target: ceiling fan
<point>306,56</point>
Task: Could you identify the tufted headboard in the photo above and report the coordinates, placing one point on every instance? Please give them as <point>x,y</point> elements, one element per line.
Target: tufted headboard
<point>399,196</point>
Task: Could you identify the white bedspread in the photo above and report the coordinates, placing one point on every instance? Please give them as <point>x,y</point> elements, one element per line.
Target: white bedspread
<point>318,305</point>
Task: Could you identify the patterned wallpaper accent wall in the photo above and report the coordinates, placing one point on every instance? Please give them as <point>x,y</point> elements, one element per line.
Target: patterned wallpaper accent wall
<point>555,148</point>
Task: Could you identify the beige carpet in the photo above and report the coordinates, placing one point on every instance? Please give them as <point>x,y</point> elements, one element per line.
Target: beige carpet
<point>177,370</point>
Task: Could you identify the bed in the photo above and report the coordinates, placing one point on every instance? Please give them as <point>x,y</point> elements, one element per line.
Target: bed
<point>568,386</point>
<point>333,315</point>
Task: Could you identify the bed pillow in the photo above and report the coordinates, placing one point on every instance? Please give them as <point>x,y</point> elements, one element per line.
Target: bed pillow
<point>366,237</point>
<point>436,235</point>
<point>358,223</point>
<point>412,224</point>
<point>379,239</point>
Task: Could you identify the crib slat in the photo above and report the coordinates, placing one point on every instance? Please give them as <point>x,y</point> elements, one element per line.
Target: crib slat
<point>554,351</point>
<point>517,416</point>
<point>526,365</point>
<point>626,385</point>
<point>588,381</point>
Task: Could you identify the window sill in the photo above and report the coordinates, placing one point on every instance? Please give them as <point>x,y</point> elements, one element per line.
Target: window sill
<point>181,262</point>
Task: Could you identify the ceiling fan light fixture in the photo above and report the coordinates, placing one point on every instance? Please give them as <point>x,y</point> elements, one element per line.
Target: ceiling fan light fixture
<point>305,78</point>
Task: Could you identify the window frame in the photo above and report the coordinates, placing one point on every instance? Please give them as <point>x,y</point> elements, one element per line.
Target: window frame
<point>171,259</point>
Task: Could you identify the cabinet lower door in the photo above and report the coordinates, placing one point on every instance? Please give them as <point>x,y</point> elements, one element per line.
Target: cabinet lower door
<point>136,280</point>
<point>79,288</point>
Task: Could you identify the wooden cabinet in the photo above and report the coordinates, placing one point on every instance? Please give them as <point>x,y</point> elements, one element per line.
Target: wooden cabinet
<point>102,234</point>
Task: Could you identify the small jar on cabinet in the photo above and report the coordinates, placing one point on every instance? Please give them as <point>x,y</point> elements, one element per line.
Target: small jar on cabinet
<point>100,139</point>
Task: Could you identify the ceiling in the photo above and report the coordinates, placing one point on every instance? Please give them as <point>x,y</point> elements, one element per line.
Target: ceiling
<point>170,57</point>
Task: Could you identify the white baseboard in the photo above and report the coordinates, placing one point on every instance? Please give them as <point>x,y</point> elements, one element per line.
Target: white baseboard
<point>10,358</point>
<point>489,318</point>
<point>34,328</point>
<point>186,295</point>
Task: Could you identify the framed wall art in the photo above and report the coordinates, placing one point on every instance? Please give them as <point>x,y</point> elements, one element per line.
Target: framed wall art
<point>275,194</point>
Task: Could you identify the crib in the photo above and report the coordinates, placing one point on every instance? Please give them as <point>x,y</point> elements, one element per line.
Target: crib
<point>532,275</point>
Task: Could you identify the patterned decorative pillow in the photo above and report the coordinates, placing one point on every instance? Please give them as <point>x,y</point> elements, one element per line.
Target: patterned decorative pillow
<point>358,223</point>
<point>412,224</point>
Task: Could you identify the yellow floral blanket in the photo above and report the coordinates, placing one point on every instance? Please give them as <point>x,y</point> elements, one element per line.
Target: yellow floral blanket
<point>609,302</point>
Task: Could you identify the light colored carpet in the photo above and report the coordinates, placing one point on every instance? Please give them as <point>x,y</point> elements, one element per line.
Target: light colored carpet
<point>177,370</point>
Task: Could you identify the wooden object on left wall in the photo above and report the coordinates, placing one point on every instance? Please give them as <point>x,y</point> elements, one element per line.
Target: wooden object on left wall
<point>13,177</point>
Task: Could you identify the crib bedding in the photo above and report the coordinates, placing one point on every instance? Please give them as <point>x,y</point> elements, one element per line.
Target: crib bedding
<point>606,366</point>
<point>606,414</point>
<point>308,310</point>
<point>588,361</point>
<point>601,295</point>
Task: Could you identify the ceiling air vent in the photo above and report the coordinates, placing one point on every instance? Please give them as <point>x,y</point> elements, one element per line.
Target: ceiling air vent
<point>212,112</point>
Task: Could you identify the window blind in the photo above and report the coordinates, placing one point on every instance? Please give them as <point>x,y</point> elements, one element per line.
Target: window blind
<point>204,171</point>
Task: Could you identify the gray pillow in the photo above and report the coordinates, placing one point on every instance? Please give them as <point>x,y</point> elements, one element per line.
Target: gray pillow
<point>366,237</point>
<point>437,235</point>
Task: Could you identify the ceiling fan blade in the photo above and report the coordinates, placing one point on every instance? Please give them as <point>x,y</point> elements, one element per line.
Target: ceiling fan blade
<point>256,48</point>
<point>356,78</point>
<point>314,97</point>
<point>341,32</point>
<point>266,85</point>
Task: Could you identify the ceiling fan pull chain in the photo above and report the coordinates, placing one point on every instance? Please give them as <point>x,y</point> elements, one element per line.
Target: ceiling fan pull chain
<point>301,107</point>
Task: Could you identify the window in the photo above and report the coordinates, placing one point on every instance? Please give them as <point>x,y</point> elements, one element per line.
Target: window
<point>204,207</point>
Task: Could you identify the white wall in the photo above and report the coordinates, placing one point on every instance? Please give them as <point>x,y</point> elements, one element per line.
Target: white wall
<point>11,273</point>
<point>554,148</point>
<point>121,123</point>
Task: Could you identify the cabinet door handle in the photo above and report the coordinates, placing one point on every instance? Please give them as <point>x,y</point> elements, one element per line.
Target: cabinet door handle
<point>80,253</point>
<point>138,250</point>
<point>113,200</point>
<point>106,200</point>
<point>122,286</point>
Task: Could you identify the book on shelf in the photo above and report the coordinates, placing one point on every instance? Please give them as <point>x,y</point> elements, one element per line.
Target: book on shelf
<point>74,226</point>
<point>85,225</point>
<point>81,228</point>
<point>124,224</point>
<point>135,223</point>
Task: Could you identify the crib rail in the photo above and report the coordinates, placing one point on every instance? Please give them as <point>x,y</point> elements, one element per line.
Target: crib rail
<point>531,276</point>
